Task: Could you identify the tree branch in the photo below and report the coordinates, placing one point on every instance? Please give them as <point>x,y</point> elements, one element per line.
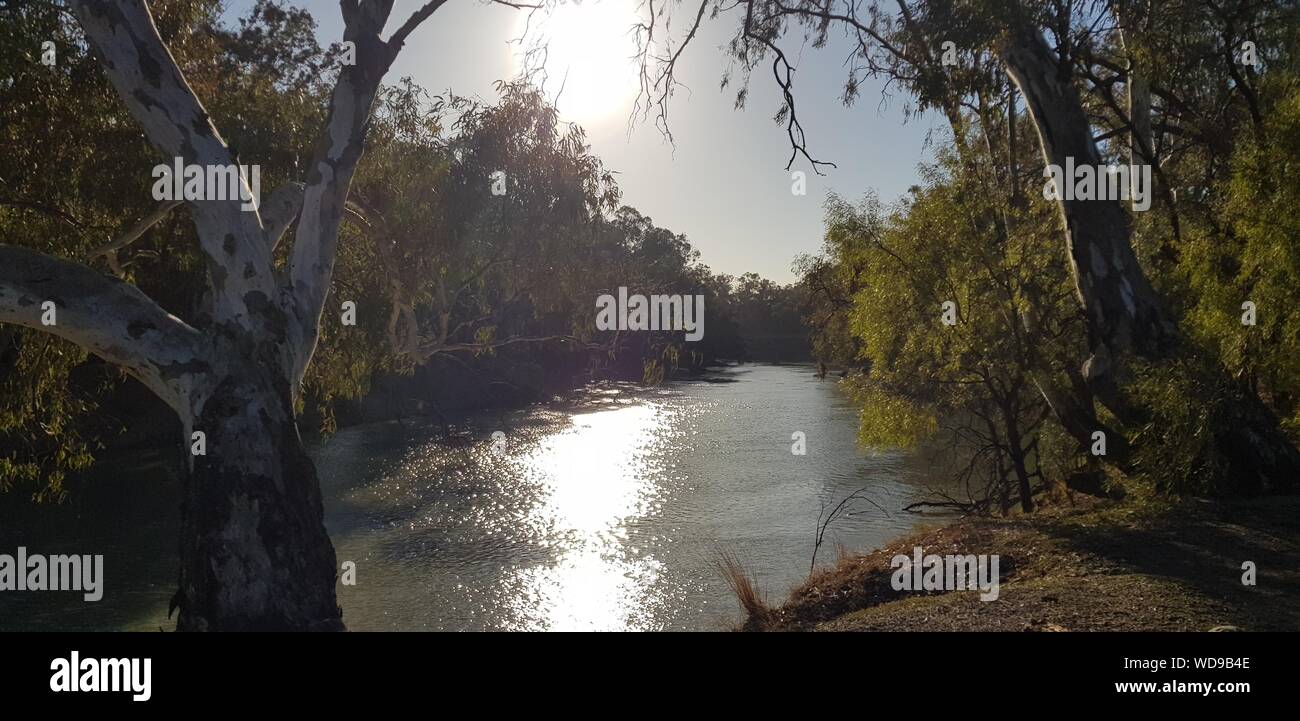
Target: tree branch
<point>399,38</point>
<point>311,263</point>
<point>280,210</point>
<point>155,92</point>
<point>108,317</point>
<point>137,230</point>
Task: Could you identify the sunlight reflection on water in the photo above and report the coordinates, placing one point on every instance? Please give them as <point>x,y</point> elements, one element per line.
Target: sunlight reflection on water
<point>594,476</point>
<point>608,516</point>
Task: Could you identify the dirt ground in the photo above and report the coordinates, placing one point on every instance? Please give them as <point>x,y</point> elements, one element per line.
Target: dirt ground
<point>1090,566</point>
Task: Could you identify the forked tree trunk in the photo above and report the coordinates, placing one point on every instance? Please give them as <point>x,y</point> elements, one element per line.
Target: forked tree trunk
<point>254,552</point>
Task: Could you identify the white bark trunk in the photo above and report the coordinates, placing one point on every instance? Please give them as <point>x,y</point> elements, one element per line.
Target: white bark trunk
<point>254,550</point>
<point>154,90</point>
<point>1141,147</point>
<point>1123,311</point>
<point>311,264</point>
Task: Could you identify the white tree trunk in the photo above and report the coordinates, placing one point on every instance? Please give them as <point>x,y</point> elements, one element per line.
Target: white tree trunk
<point>254,551</point>
<point>1123,312</point>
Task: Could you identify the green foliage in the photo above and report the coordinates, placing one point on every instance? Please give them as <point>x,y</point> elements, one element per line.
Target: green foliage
<point>882,288</point>
<point>436,264</point>
<point>1257,260</point>
<point>1177,449</point>
<point>930,250</point>
<point>1222,230</point>
<point>65,193</point>
<point>40,442</point>
<point>889,420</point>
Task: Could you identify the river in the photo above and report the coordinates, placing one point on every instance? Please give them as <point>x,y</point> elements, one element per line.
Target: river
<point>606,514</point>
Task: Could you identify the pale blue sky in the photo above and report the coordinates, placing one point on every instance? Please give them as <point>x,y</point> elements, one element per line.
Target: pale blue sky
<point>724,184</point>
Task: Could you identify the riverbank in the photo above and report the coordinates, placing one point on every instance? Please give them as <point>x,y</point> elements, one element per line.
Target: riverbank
<point>1137,565</point>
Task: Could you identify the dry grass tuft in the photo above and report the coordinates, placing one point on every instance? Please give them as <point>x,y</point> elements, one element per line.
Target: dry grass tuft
<point>758,615</point>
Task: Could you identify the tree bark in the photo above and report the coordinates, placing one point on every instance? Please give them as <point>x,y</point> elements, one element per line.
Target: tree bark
<point>254,551</point>
<point>105,316</point>
<point>1016,450</point>
<point>1013,148</point>
<point>1138,89</point>
<point>1124,314</point>
<point>255,555</point>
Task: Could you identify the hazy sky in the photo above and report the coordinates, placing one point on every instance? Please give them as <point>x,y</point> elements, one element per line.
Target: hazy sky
<point>724,184</point>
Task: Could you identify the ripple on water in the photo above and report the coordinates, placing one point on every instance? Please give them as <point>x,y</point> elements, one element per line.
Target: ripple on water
<point>609,518</point>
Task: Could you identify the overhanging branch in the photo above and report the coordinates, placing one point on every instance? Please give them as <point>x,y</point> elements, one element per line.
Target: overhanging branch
<point>106,316</point>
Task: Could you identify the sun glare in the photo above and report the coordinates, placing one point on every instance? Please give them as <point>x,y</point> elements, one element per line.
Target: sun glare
<point>591,72</point>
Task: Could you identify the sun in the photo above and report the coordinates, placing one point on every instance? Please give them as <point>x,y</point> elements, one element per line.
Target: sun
<point>591,70</point>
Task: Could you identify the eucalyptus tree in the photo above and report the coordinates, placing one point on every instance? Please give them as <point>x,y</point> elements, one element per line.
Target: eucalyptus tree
<point>254,551</point>
<point>941,52</point>
<point>483,269</point>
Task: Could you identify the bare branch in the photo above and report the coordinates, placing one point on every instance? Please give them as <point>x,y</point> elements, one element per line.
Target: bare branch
<point>843,508</point>
<point>137,230</point>
<point>757,27</point>
<point>399,37</point>
<point>665,81</point>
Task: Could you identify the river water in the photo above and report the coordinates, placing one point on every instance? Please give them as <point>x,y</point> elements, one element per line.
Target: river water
<point>607,514</point>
